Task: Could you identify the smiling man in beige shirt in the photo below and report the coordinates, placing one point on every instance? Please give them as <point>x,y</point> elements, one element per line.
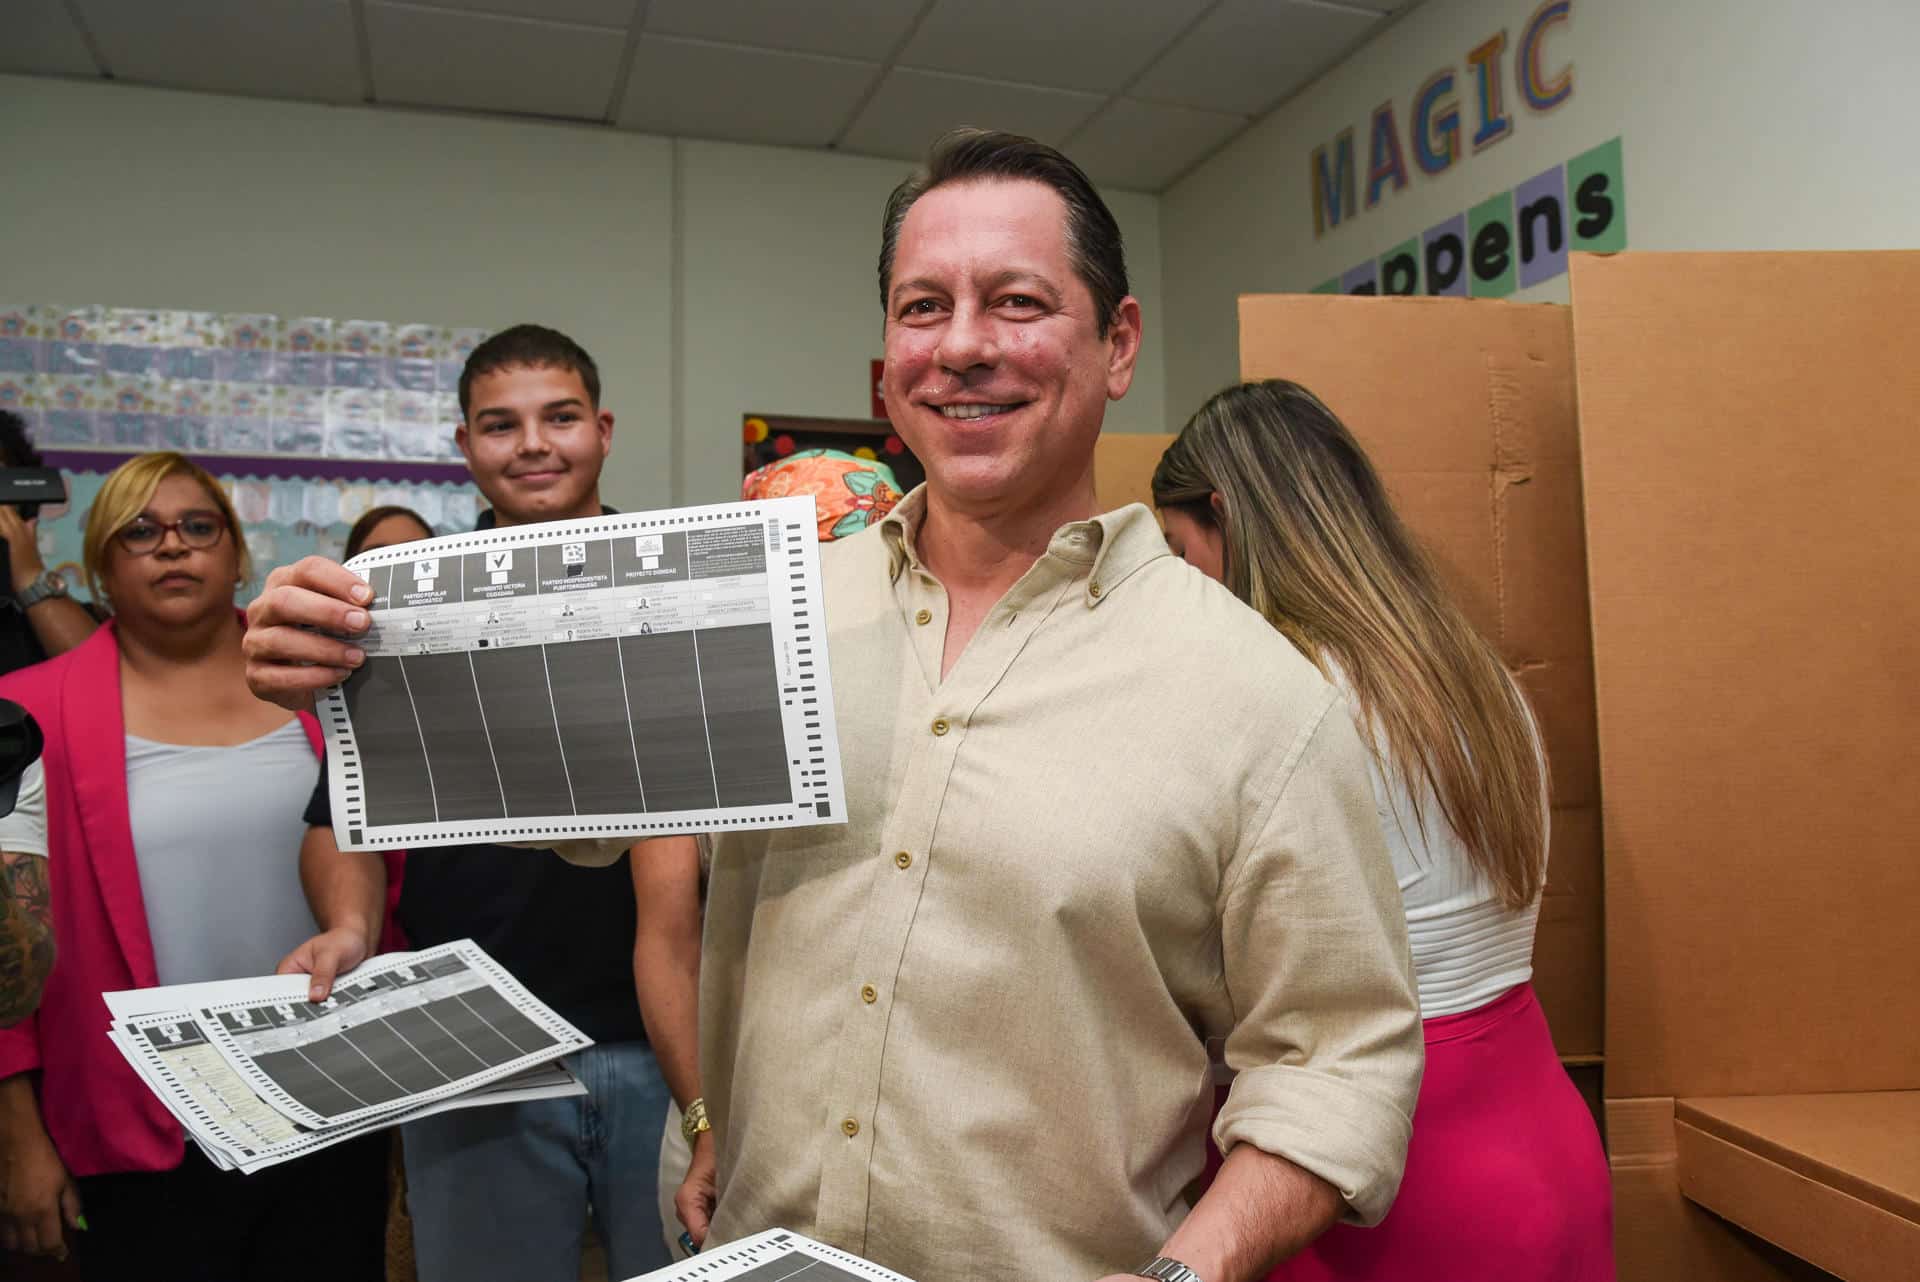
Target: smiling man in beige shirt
<point>1098,813</point>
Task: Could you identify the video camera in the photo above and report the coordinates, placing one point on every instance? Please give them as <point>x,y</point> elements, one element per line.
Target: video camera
<point>31,488</point>
<point>20,744</point>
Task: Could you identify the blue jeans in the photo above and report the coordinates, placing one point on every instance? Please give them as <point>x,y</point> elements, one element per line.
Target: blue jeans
<point>503,1191</point>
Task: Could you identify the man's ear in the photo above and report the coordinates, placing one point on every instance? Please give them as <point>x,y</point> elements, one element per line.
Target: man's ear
<point>1123,332</point>
<point>604,420</point>
<point>462,439</point>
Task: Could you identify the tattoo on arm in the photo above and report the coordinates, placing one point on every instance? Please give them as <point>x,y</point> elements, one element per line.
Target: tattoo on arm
<point>26,934</point>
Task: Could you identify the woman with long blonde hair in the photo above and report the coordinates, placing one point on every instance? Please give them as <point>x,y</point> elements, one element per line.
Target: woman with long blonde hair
<point>1266,491</point>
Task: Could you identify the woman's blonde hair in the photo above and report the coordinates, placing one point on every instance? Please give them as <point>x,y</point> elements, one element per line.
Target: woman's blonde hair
<point>125,494</point>
<point>1313,544</point>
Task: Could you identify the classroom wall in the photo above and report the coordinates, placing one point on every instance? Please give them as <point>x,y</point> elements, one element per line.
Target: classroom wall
<point>147,198</point>
<point>707,279</point>
<point>1770,124</point>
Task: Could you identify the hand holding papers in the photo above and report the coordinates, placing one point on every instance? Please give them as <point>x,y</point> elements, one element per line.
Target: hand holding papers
<point>619,676</point>
<point>256,1074</point>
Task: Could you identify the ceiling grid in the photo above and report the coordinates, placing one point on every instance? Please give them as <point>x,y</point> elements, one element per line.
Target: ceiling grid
<point>1138,91</point>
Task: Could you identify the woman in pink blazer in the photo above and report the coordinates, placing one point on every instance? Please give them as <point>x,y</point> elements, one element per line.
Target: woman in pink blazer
<point>174,804</point>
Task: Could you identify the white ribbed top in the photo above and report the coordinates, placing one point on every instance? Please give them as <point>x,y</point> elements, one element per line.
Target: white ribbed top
<point>1468,947</point>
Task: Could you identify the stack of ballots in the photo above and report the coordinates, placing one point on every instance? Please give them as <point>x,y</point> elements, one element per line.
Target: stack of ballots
<point>257,1074</point>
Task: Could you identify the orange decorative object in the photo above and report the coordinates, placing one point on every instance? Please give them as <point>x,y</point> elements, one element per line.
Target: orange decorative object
<point>754,430</point>
<point>849,493</point>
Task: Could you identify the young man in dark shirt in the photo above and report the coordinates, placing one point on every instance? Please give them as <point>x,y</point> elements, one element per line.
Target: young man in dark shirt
<point>502,1192</point>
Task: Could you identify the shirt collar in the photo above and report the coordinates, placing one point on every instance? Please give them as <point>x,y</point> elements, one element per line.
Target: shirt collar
<point>899,528</point>
<point>1112,545</point>
<point>1129,537</point>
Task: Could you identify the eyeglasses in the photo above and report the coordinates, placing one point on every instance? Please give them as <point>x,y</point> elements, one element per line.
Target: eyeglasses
<point>144,535</point>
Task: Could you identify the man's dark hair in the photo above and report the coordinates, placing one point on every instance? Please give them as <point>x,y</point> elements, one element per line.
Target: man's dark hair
<point>530,345</point>
<point>969,155</point>
<point>16,447</point>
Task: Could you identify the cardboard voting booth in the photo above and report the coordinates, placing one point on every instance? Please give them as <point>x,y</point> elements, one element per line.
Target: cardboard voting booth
<point>1750,446</point>
<point>1466,408</point>
<point>1704,579</point>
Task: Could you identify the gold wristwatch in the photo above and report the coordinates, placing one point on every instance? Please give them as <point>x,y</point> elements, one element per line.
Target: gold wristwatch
<point>694,1120</point>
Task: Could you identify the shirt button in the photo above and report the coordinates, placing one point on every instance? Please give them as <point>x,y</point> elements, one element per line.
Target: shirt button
<point>940,726</point>
<point>1093,589</point>
<point>903,860</point>
<point>851,1127</point>
<point>923,617</point>
<point>869,994</point>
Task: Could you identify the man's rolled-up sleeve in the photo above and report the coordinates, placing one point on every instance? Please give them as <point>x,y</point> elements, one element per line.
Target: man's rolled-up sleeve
<point>1327,1036</point>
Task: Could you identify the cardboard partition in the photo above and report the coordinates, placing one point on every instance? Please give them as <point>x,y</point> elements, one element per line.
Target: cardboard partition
<point>1750,437</point>
<point>1467,410</point>
<point>1123,464</point>
<point>1835,1179</point>
<point>1750,433</point>
<point>1661,1236</point>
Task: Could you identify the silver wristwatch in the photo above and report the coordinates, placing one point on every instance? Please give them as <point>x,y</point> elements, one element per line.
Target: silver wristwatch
<point>1166,1269</point>
<point>47,585</point>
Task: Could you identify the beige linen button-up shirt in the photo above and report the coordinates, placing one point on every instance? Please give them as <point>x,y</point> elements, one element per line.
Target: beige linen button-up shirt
<point>964,1034</point>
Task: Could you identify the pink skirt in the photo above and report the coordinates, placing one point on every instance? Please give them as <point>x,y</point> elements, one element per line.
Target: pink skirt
<point>1505,1174</point>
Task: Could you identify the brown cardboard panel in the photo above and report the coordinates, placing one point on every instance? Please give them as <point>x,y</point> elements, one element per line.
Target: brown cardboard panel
<point>1448,510</point>
<point>1813,1220</point>
<point>1462,406</point>
<point>1865,1144</point>
<point>1568,945</point>
<point>1543,587</point>
<point>1466,408</point>
<point>1123,464</point>
<point>1561,695</point>
<point>1658,1235</point>
<point>1748,428</point>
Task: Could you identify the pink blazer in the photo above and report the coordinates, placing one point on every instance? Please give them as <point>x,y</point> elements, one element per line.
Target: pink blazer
<point>99,1114</point>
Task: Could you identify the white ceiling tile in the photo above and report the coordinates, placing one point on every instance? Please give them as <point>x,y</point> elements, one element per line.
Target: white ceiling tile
<point>703,90</point>
<point>42,39</point>
<point>913,108</point>
<point>590,13</point>
<point>273,48</point>
<point>438,58</point>
<point>846,28</point>
<point>1144,146</point>
<point>1067,44</point>
<point>1249,54</point>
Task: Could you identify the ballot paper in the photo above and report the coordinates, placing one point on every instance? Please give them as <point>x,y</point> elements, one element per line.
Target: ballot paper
<point>639,674</point>
<point>774,1256</point>
<point>256,1074</point>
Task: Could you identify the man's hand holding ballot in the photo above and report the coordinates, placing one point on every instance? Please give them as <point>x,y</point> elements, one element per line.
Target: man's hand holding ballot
<point>300,631</point>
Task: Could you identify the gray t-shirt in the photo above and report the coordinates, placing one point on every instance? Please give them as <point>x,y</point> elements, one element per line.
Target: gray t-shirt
<point>216,832</point>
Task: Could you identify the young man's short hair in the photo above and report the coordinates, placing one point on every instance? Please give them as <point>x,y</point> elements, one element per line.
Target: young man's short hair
<point>529,345</point>
<point>971,155</point>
